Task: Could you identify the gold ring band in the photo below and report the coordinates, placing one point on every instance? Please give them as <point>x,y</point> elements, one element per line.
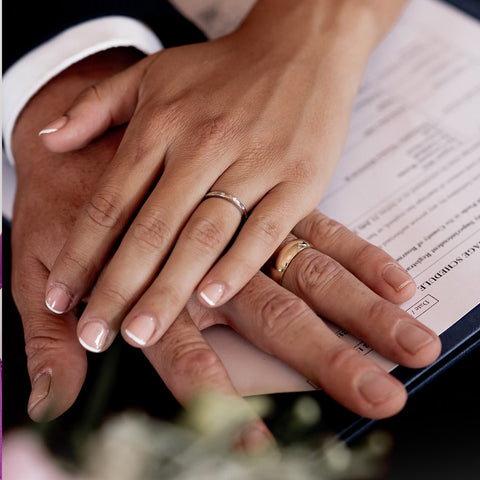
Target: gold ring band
<point>286,254</point>
<point>230,198</point>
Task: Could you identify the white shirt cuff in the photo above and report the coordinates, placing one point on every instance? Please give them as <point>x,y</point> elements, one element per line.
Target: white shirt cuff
<point>25,77</point>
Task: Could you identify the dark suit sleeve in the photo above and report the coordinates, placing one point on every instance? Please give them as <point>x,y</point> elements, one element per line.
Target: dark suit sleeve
<point>28,23</point>
<point>470,6</point>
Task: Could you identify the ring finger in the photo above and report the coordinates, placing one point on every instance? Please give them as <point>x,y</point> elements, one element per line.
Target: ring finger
<point>201,242</point>
<point>279,322</point>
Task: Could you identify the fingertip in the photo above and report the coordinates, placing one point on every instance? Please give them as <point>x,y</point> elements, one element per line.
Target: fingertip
<point>254,438</point>
<point>55,138</point>
<point>59,299</point>
<point>383,395</point>
<point>212,294</point>
<point>54,126</point>
<point>421,344</point>
<point>400,286</point>
<point>55,389</point>
<point>95,335</point>
<point>142,331</point>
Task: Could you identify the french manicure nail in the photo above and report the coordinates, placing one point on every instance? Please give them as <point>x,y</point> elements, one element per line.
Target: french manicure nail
<point>55,126</point>
<point>212,293</point>
<point>40,390</point>
<point>141,329</point>
<point>58,299</point>
<point>396,277</point>
<point>411,337</point>
<point>377,387</point>
<point>94,335</point>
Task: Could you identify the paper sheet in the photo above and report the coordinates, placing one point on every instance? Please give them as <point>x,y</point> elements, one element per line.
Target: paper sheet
<point>408,180</point>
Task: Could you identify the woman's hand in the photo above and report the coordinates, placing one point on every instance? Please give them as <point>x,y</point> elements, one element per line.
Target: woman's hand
<point>261,114</point>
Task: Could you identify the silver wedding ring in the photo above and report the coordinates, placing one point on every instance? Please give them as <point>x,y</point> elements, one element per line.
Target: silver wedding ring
<point>230,198</point>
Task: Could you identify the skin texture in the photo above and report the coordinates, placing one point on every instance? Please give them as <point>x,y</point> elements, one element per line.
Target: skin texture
<point>283,320</point>
<point>51,190</point>
<point>261,114</point>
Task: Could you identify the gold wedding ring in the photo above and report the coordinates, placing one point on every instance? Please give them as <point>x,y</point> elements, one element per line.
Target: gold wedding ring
<point>230,198</point>
<point>286,254</point>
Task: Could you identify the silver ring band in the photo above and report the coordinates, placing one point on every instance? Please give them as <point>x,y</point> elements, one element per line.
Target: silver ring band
<point>230,198</point>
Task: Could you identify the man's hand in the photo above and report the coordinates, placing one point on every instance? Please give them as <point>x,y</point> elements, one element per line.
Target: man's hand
<point>51,190</point>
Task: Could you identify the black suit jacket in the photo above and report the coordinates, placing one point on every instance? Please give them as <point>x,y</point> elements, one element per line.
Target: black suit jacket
<point>28,23</point>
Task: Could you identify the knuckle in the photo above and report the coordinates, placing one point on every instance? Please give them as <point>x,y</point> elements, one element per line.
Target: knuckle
<point>39,347</point>
<point>280,312</point>
<point>152,232</point>
<point>323,228</point>
<point>367,254</point>
<point>304,170</point>
<point>379,310</point>
<point>156,116</point>
<point>341,358</point>
<point>91,94</point>
<point>204,234</point>
<point>193,359</point>
<point>74,262</point>
<point>103,210</point>
<point>169,294</point>
<point>214,131</point>
<point>115,295</point>
<point>268,229</point>
<point>317,272</point>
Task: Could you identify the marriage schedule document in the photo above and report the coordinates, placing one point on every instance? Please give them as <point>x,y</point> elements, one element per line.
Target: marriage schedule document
<point>408,180</point>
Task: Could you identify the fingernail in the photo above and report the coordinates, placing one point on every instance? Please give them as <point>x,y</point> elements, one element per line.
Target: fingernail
<point>55,125</point>
<point>254,438</point>
<point>377,387</point>
<point>141,329</point>
<point>94,335</point>
<point>212,293</point>
<point>58,299</point>
<point>396,276</point>
<point>411,337</point>
<point>40,390</point>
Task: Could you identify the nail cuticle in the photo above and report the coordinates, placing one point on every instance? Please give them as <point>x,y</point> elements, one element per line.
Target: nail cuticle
<point>396,277</point>
<point>411,337</point>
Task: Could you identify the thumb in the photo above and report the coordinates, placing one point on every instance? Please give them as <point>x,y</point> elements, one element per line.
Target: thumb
<point>101,106</point>
<point>56,362</point>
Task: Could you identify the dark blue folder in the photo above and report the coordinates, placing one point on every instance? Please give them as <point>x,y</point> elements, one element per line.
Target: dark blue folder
<point>458,341</point>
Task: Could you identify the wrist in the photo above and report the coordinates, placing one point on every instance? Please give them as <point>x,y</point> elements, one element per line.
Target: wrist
<point>347,30</point>
<point>322,44</point>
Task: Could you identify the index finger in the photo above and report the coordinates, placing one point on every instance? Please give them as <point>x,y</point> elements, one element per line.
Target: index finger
<point>102,220</point>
